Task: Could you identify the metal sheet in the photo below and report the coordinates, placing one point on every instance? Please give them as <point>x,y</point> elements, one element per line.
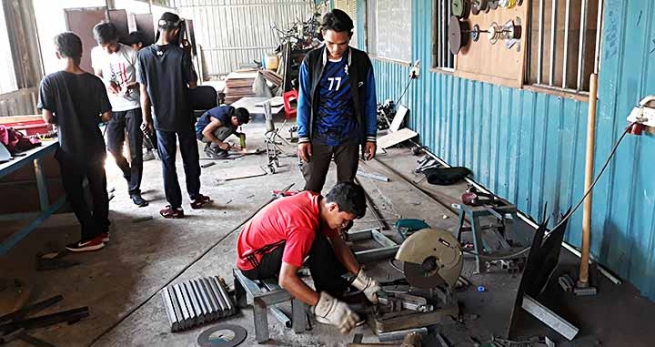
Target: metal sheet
<point>529,147</point>
<point>233,32</point>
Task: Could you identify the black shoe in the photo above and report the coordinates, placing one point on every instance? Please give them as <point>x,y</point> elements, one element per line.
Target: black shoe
<point>138,200</point>
<point>216,154</point>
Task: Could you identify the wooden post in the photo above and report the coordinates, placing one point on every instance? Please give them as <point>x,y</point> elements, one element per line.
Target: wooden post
<point>583,279</point>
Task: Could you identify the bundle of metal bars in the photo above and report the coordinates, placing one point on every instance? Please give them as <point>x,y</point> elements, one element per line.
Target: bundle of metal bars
<point>196,302</point>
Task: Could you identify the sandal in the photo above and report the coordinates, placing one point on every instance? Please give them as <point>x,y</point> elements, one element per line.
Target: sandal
<point>170,212</point>
<point>200,201</point>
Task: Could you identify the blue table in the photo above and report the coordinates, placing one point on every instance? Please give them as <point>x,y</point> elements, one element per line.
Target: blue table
<point>32,157</point>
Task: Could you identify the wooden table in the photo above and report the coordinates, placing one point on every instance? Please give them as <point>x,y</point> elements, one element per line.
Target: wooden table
<point>32,157</point>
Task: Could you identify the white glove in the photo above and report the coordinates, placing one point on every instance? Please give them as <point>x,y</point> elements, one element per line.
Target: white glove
<point>331,311</point>
<point>369,286</point>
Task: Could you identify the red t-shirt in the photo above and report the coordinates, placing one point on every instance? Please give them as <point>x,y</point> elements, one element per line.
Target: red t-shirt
<point>292,221</point>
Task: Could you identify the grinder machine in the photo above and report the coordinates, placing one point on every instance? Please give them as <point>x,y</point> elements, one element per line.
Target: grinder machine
<point>432,263</point>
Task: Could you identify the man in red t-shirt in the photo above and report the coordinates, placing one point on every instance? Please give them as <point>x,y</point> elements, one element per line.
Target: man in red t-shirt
<point>276,242</point>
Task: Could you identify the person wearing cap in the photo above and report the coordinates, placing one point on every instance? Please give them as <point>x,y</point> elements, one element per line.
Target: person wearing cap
<point>216,125</point>
<point>337,108</point>
<point>115,63</point>
<point>165,75</point>
<point>306,229</point>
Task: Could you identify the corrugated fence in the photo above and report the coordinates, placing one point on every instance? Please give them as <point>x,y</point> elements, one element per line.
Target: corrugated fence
<point>529,147</point>
<point>234,32</point>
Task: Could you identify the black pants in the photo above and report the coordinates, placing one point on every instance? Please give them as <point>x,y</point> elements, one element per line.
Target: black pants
<point>95,220</point>
<point>346,156</point>
<point>131,121</point>
<point>167,147</point>
<point>326,269</point>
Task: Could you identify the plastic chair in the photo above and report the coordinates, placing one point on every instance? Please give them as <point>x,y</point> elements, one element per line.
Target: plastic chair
<point>289,96</point>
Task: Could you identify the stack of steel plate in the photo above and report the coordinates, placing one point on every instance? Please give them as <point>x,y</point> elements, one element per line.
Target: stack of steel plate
<point>195,302</point>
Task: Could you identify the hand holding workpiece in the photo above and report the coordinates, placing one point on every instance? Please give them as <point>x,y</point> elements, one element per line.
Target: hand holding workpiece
<point>331,311</point>
<point>367,285</point>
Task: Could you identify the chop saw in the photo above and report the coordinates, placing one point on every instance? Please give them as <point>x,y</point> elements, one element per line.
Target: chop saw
<point>432,263</point>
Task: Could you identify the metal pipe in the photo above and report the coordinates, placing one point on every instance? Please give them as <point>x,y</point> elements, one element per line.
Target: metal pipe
<point>599,31</point>
<point>553,27</point>
<point>217,309</point>
<point>583,280</point>
<point>566,44</point>
<point>540,58</point>
<point>226,295</point>
<point>581,48</point>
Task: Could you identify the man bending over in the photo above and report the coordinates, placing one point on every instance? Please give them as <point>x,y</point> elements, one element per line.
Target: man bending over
<point>216,125</point>
<point>277,240</point>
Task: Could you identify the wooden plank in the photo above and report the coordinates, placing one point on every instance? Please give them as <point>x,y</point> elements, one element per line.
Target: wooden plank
<point>398,119</point>
<point>399,136</point>
<point>482,61</point>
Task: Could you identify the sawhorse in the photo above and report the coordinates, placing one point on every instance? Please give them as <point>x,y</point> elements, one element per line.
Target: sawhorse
<point>262,300</point>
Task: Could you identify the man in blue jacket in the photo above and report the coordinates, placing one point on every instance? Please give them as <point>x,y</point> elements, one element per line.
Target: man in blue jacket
<point>336,105</point>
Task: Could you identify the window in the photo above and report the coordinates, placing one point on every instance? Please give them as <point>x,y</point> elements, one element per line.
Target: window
<point>561,55</point>
<point>7,69</point>
<point>441,56</point>
<point>389,29</point>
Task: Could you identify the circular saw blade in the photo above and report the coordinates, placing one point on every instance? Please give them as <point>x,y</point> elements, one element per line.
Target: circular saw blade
<point>418,277</point>
<point>431,257</point>
<point>222,335</point>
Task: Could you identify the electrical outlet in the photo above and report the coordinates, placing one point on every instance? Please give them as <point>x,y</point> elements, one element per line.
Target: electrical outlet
<point>415,71</point>
<point>644,113</point>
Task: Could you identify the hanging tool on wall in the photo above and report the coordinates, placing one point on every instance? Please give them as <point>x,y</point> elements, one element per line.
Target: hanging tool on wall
<point>460,33</point>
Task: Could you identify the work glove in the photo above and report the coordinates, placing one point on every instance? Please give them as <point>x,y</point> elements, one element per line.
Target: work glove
<point>367,285</point>
<point>331,311</point>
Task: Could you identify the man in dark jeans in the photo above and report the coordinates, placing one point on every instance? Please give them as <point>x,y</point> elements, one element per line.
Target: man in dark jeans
<point>216,125</point>
<point>138,41</point>
<point>115,63</point>
<point>165,73</point>
<point>276,241</point>
<point>76,102</point>
<point>336,105</point>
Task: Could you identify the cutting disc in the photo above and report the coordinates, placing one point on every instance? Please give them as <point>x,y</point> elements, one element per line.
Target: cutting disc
<point>222,335</point>
<point>431,258</point>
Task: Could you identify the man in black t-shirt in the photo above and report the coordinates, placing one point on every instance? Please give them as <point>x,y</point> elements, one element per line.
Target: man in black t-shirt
<point>165,73</point>
<point>76,101</point>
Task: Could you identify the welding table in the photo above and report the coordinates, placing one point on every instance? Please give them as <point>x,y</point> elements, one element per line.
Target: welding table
<point>32,157</point>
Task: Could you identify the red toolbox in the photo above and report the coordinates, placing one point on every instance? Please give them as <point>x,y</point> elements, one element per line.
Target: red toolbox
<point>28,125</point>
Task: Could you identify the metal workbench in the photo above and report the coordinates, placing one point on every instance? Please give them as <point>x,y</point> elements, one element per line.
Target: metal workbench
<point>32,157</point>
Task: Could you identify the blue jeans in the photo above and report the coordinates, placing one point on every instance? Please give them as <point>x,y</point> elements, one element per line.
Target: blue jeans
<point>167,146</point>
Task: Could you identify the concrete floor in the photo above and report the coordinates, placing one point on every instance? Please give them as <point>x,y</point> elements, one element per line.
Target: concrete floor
<point>120,283</point>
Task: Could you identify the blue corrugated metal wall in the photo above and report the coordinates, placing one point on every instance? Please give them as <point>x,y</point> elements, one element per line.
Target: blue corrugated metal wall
<point>530,147</point>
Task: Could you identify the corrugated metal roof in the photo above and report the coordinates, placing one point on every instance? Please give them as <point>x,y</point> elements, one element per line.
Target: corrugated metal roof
<point>529,147</point>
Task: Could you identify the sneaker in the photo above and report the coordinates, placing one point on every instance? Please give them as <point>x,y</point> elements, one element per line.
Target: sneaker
<point>138,200</point>
<point>148,155</point>
<point>105,237</point>
<point>215,154</point>
<point>200,201</point>
<point>86,246</point>
<point>170,212</point>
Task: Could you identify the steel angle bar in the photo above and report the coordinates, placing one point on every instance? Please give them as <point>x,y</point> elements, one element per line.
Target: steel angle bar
<point>170,311</point>
<point>200,317</point>
<point>214,305</point>
<point>549,317</point>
